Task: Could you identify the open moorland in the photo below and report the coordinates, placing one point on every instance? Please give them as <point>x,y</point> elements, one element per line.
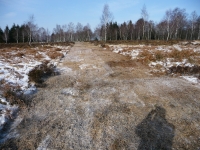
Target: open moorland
<point>114,95</point>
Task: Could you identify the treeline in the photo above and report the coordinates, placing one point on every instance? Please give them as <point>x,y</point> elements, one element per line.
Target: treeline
<point>30,32</point>
<point>176,24</point>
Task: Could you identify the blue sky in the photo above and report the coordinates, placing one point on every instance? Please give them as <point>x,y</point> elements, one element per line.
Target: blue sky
<point>48,13</point>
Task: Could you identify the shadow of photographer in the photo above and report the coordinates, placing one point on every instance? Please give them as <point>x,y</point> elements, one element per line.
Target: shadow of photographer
<point>155,132</point>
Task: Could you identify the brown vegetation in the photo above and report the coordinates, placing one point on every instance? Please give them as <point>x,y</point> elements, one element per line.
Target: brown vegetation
<point>12,95</point>
<point>137,42</point>
<point>38,74</point>
<point>55,54</point>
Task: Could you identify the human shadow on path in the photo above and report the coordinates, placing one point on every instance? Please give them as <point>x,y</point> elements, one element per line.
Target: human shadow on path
<point>155,132</point>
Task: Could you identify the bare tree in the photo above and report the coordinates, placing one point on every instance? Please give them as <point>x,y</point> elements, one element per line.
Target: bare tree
<point>87,32</point>
<point>145,17</point>
<point>64,32</point>
<point>168,18</point>
<point>193,20</point>
<point>198,22</point>
<point>106,18</point>
<point>32,28</point>
<point>16,34</point>
<point>6,32</point>
<point>48,36</point>
<point>79,31</point>
<point>178,18</point>
<point>98,32</point>
<point>71,31</point>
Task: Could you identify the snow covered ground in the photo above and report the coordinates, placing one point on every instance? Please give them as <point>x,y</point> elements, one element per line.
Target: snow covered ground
<point>161,58</point>
<point>15,64</point>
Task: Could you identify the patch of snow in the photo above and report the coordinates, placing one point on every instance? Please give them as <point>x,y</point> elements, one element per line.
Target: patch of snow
<point>2,99</point>
<point>117,50</point>
<point>14,70</point>
<point>43,145</point>
<point>66,69</point>
<point>195,42</point>
<point>70,91</point>
<point>134,54</point>
<point>83,66</point>
<point>6,112</point>
<point>156,63</point>
<point>191,79</point>
<point>177,47</point>
<point>31,90</point>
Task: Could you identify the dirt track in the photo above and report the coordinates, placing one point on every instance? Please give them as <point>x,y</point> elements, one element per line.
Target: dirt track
<point>102,100</point>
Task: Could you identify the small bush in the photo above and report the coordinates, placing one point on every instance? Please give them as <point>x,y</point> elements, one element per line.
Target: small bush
<point>185,70</point>
<point>38,73</point>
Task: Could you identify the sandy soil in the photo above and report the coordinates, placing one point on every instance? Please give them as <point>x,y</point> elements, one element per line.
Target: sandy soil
<point>103,100</point>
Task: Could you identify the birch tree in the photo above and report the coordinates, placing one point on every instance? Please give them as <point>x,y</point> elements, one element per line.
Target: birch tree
<point>179,17</point>
<point>79,31</point>
<point>193,20</point>
<point>105,19</point>
<point>6,32</point>
<point>145,17</point>
<point>168,17</point>
<point>198,21</point>
<point>71,31</point>
<point>31,28</point>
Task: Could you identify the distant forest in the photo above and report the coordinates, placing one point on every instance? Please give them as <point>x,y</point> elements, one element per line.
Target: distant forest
<point>175,25</point>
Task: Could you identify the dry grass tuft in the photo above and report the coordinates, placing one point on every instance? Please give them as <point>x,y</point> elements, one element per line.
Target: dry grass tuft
<point>145,57</point>
<point>58,49</point>
<point>55,54</point>
<point>13,95</point>
<point>179,55</point>
<point>20,54</point>
<point>123,63</point>
<point>38,56</point>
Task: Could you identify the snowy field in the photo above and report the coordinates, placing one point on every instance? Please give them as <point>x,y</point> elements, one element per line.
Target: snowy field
<point>181,59</point>
<point>15,65</point>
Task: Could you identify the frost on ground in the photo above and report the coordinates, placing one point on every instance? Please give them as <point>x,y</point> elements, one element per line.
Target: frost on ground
<point>191,79</point>
<point>15,65</point>
<point>43,145</point>
<point>182,58</point>
<point>116,105</point>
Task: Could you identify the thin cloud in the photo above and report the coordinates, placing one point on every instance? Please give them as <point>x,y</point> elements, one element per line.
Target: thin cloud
<point>10,14</point>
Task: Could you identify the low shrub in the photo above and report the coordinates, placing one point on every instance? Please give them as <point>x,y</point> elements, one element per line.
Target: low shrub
<point>185,70</point>
<point>40,72</point>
